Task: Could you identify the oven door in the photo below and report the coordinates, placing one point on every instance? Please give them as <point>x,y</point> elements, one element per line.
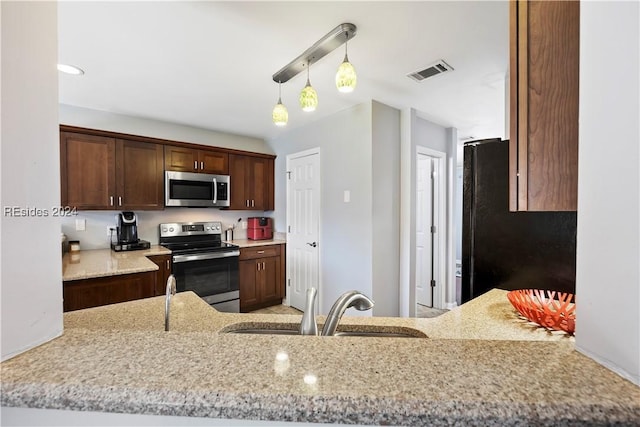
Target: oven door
<point>213,276</point>
<point>196,189</point>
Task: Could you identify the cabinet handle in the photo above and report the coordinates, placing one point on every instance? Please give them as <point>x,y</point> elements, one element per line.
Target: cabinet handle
<point>247,203</point>
<point>202,165</point>
<point>260,252</point>
<point>111,200</point>
<point>253,203</point>
<point>168,266</point>
<point>258,265</point>
<point>195,164</point>
<point>263,265</point>
<point>119,200</point>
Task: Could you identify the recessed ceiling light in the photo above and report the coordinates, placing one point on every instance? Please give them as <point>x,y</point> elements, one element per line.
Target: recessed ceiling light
<point>70,69</point>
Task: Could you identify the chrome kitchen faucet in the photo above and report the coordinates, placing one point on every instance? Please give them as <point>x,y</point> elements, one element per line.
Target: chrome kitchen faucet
<point>171,290</point>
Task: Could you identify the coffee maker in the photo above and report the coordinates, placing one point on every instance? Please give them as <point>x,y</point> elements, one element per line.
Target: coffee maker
<point>127,233</point>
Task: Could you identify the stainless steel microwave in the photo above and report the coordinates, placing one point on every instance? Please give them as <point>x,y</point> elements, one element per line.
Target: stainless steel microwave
<point>190,189</point>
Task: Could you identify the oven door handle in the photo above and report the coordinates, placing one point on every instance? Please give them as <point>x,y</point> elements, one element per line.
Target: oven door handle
<point>199,257</point>
<point>215,191</point>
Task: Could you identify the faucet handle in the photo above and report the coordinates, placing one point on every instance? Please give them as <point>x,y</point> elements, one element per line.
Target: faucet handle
<point>308,325</point>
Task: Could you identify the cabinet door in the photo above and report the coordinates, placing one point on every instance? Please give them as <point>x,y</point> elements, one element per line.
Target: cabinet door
<point>164,271</point>
<point>544,77</point>
<point>238,174</point>
<point>248,277</point>
<point>139,175</point>
<point>215,162</point>
<point>79,294</point>
<point>180,159</point>
<point>88,179</point>
<point>270,279</point>
<point>251,182</point>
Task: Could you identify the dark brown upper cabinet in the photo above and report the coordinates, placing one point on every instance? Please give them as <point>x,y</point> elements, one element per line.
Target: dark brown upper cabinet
<point>104,173</point>
<point>544,73</point>
<point>251,182</point>
<point>184,159</point>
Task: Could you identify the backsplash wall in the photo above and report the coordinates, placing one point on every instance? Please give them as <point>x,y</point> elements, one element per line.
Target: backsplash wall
<point>96,222</point>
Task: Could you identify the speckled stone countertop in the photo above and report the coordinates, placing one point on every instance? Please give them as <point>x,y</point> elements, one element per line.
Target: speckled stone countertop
<point>113,359</point>
<point>246,243</point>
<point>105,262</point>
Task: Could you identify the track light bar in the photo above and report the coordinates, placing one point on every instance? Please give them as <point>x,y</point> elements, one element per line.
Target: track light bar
<point>325,45</point>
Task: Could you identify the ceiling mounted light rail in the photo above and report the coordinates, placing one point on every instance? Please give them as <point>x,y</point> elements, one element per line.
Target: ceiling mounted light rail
<point>345,78</point>
<point>332,40</point>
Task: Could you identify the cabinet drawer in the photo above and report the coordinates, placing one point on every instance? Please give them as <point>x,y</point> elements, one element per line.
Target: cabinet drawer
<point>260,252</point>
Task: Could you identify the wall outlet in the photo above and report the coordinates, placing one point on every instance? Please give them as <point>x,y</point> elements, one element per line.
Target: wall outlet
<point>243,224</point>
<point>81,224</point>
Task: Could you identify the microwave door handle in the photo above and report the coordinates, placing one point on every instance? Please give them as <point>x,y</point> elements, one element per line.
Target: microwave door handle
<point>215,191</point>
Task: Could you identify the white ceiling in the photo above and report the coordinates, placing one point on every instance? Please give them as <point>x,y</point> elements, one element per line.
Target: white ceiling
<point>209,64</point>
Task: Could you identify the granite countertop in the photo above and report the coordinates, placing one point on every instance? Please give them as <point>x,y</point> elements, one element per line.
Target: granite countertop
<point>468,372</point>
<point>246,243</point>
<point>89,264</point>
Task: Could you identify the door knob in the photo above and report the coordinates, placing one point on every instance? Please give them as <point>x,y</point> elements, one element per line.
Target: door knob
<point>313,245</point>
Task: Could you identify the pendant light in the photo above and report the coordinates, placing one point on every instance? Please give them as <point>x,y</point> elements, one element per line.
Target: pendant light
<point>308,96</point>
<point>346,78</point>
<point>280,115</point>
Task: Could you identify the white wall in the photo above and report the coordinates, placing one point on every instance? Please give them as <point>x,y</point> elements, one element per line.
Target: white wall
<point>31,268</point>
<point>346,145</point>
<point>608,239</point>
<point>103,120</point>
<point>386,209</point>
<point>95,235</point>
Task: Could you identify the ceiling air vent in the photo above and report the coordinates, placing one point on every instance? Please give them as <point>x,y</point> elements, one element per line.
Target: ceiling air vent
<point>430,71</point>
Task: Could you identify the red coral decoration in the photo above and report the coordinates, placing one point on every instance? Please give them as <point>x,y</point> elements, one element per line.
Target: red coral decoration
<point>550,309</point>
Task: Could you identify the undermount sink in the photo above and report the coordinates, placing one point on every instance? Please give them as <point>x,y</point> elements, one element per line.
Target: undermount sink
<point>374,334</point>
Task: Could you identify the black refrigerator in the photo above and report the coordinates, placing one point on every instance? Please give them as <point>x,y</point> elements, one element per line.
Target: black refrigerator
<point>509,250</point>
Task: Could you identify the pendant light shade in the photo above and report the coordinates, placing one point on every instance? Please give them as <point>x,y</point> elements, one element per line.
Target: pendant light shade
<point>280,114</point>
<point>308,96</point>
<point>346,78</point>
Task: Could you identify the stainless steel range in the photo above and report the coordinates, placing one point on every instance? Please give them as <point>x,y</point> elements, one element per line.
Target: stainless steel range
<point>202,263</point>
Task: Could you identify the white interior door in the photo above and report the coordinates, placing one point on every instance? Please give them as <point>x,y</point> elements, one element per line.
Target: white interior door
<point>424,223</point>
<point>303,206</point>
<point>430,228</point>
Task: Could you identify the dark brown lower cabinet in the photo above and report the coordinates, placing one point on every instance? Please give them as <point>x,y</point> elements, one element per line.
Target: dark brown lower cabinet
<point>79,294</point>
<point>261,275</point>
<point>164,271</point>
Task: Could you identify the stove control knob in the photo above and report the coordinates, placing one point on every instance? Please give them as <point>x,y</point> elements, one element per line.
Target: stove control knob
<point>164,229</point>
<point>171,229</point>
<point>207,228</point>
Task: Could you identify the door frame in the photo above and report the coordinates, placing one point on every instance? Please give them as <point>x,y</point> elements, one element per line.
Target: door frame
<point>299,154</point>
<point>439,295</point>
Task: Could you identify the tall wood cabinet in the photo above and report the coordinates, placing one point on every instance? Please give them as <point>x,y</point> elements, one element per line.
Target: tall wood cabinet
<point>251,182</point>
<point>544,73</point>
<point>261,275</point>
<point>99,172</point>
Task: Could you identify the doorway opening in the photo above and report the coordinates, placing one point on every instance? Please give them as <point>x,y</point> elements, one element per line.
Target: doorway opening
<point>430,231</point>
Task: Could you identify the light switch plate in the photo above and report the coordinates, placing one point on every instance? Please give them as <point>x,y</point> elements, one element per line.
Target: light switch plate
<point>81,224</point>
<point>347,196</point>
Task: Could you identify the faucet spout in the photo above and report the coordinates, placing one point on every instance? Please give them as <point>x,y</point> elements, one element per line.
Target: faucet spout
<point>353,299</point>
<point>171,290</point>
<point>308,325</point>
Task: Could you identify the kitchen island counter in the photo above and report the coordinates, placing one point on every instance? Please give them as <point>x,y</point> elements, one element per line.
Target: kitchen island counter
<point>94,263</point>
<point>114,359</point>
